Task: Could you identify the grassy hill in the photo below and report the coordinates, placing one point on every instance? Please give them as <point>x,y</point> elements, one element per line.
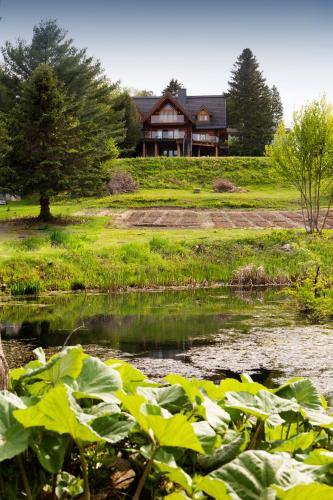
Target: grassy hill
<point>196,172</point>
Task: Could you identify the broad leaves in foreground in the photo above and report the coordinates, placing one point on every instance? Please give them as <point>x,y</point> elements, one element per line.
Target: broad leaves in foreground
<point>254,472</point>
<point>14,437</point>
<point>58,412</point>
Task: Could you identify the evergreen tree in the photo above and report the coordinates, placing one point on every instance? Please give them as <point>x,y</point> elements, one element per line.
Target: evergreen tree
<point>51,151</point>
<point>124,103</point>
<point>81,75</point>
<point>173,87</point>
<point>277,108</point>
<point>249,105</point>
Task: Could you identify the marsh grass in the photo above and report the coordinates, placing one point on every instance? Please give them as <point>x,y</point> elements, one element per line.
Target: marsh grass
<point>112,260</point>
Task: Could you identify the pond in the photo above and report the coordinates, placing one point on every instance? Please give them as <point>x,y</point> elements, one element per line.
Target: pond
<point>211,333</point>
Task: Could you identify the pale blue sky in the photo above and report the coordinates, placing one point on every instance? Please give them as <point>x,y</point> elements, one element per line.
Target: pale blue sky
<point>145,43</point>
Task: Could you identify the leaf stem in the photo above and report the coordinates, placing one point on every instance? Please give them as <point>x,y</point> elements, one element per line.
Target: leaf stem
<point>24,477</point>
<point>144,476</point>
<point>84,468</point>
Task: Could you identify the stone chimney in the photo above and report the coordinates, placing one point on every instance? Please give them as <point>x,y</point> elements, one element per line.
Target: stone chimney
<point>182,96</point>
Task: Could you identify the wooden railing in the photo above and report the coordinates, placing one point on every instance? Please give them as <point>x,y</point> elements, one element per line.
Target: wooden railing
<point>165,118</point>
<point>164,134</point>
<point>205,138</point>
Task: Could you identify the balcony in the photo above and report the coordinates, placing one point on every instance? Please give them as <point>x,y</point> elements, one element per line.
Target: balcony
<point>164,134</point>
<point>167,118</point>
<point>211,139</point>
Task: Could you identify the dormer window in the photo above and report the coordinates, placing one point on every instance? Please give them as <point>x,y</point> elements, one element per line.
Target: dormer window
<point>203,116</point>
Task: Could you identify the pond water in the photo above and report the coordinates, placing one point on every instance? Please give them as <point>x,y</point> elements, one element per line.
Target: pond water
<point>209,333</point>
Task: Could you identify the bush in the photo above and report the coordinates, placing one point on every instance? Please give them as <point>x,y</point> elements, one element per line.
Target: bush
<point>252,275</point>
<point>122,182</point>
<point>223,186</point>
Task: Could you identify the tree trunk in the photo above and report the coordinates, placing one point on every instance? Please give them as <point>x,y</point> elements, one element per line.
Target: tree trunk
<point>45,213</point>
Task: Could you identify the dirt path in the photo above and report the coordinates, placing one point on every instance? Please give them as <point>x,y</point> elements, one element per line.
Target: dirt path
<point>196,218</point>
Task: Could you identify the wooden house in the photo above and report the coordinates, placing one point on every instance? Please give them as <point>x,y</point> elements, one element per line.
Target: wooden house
<point>182,125</point>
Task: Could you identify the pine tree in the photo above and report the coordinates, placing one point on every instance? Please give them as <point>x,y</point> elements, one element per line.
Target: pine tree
<point>173,87</point>
<point>51,152</point>
<point>249,105</point>
<point>81,75</point>
<point>124,103</point>
<point>277,108</point>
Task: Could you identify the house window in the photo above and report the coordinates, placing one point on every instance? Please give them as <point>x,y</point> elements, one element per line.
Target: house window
<point>203,116</point>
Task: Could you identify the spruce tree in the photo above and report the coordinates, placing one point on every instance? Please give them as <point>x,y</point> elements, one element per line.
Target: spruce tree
<point>124,104</point>
<point>51,151</point>
<point>82,76</point>
<point>277,108</point>
<point>249,105</point>
<point>173,87</point>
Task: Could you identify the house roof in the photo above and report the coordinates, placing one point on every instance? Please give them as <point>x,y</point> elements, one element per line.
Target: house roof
<point>215,104</point>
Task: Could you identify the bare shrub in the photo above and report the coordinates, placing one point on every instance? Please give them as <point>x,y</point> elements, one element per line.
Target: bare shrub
<point>252,275</point>
<point>122,182</point>
<point>223,186</point>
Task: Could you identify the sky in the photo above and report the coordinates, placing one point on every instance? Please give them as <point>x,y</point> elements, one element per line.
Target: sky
<point>145,43</point>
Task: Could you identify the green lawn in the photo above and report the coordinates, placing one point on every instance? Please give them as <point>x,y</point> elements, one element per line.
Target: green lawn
<point>253,197</point>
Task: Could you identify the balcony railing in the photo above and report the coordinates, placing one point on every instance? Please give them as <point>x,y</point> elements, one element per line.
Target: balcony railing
<point>213,139</point>
<point>167,118</point>
<point>164,134</point>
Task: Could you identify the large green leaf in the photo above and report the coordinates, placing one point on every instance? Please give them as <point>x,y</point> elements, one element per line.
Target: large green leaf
<point>250,475</point>
<point>50,449</point>
<point>221,456</point>
<point>173,397</point>
<point>304,392</point>
<point>14,437</point>
<point>317,418</point>
<point>175,474</point>
<point>173,431</point>
<point>264,405</point>
<point>217,392</point>
<point>97,381</point>
<point>314,491</point>
<point>58,412</point>
<point>191,387</point>
<point>215,488</point>
<point>131,377</point>
<point>319,456</point>
<point>206,436</point>
<point>215,415</point>
<point>111,429</point>
<point>301,441</point>
<point>67,363</point>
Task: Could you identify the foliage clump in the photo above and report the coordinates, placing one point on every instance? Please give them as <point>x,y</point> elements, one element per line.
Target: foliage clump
<point>71,422</point>
<point>303,157</point>
<point>122,182</point>
<point>253,275</point>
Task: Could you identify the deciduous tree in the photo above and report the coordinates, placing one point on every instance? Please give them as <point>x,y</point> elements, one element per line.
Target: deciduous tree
<point>304,158</point>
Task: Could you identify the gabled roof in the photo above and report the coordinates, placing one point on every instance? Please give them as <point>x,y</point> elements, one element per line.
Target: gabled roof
<point>190,106</point>
<point>203,108</point>
<point>162,100</point>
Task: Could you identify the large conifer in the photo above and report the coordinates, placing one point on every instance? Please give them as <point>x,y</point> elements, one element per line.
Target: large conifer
<point>249,105</point>
<point>51,151</point>
<point>82,76</point>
